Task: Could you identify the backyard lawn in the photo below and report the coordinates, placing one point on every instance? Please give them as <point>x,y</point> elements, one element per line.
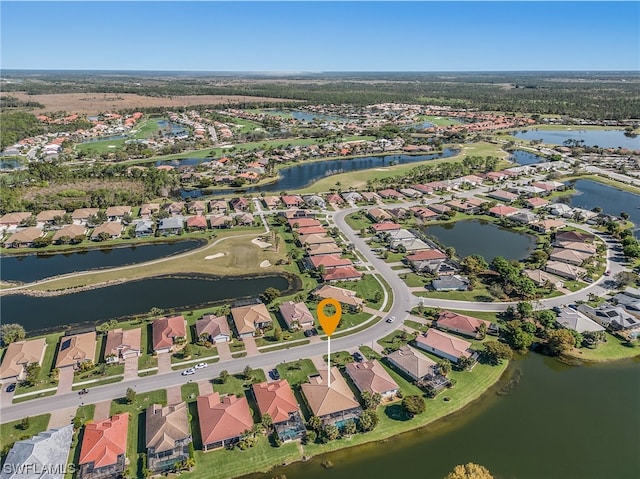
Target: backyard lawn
<point>296,372</point>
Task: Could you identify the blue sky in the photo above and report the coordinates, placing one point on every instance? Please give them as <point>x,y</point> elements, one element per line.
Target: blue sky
<point>320,36</point>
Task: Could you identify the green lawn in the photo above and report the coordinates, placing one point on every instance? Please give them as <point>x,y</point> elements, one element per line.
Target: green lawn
<point>237,384</point>
<point>339,358</point>
<point>395,340</point>
<point>439,120</point>
<point>414,280</point>
<point>10,433</point>
<point>613,349</point>
<point>479,293</point>
<point>366,288</point>
<point>358,221</point>
<point>296,372</point>
<point>190,391</point>
<point>44,381</point>
<point>415,325</point>
<point>369,353</point>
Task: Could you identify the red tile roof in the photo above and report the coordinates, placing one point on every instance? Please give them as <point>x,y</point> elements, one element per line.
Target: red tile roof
<point>224,420</point>
<point>165,329</point>
<point>346,272</point>
<point>275,399</point>
<point>197,222</point>
<point>385,227</point>
<point>303,222</point>
<point>310,230</point>
<point>502,210</point>
<point>330,261</point>
<point>445,343</point>
<point>460,322</point>
<point>104,441</point>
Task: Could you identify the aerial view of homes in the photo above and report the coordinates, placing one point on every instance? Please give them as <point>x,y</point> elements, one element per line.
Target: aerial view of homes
<point>167,240</point>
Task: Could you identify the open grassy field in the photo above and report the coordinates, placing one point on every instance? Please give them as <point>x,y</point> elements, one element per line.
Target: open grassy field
<point>612,350</point>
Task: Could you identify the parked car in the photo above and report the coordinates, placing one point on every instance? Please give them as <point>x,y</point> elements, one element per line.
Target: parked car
<point>200,365</point>
<point>391,319</point>
<point>358,357</point>
<point>188,372</point>
<point>308,333</point>
<point>274,374</point>
<point>607,273</point>
<point>11,387</point>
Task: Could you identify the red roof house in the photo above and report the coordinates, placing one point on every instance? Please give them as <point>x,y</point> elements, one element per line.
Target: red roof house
<point>222,422</point>
<point>104,445</point>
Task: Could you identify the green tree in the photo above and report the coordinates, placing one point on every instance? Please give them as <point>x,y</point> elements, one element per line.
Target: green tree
<point>270,294</point>
<point>12,332</point>
<point>368,420</point>
<point>414,405</point>
<point>560,341</point>
<point>443,367</point>
<point>248,373</point>
<point>330,432</point>
<point>224,375</point>
<point>130,396</point>
<point>469,471</point>
<point>371,401</point>
<point>277,332</point>
<point>349,428</point>
<point>24,423</point>
<point>474,264</point>
<point>546,318</point>
<point>267,421</point>
<point>525,309</point>
<point>315,423</point>
<point>495,352</point>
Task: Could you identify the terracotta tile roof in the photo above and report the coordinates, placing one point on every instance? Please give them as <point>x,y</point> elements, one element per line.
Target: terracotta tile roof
<point>330,261</point>
<point>378,227</point>
<point>426,254</point>
<point>166,425</point>
<point>299,312</point>
<point>502,210</point>
<point>323,248</point>
<point>19,355</point>
<point>276,399</point>
<point>342,273</point>
<point>303,222</point>
<point>371,376</point>
<point>76,348</point>
<point>315,239</point>
<point>444,342</point>
<point>344,296</point>
<point>71,231</point>
<point>246,317</point>
<point>223,420</point>
<point>197,222</point>
<point>104,441</point>
<point>119,341</point>
<point>112,228</point>
<point>27,235</point>
<point>14,218</point>
<point>48,215</point>
<point>84,213</point>
<point>537,202</point>
<point>312,230</point>
<point>166,329</point>
<point>325,400</point>
<point>460,322</point>
<point>213,325</point>
<point>118,210</point>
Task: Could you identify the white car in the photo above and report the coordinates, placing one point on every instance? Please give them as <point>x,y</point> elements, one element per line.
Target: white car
<point>188,372</point>
<point>201,365</point>
<point>391,319</point>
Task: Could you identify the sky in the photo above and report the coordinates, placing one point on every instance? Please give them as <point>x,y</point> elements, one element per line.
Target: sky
<point>320,36</point>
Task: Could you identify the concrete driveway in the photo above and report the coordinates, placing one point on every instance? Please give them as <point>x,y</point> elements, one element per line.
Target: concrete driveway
<point>65,380</point>
<point>164,363</point>
<point>62,417</point>
<point>250,346</point>
<point>5,397</point>
<point>130,368</point>
<point>223,351</point>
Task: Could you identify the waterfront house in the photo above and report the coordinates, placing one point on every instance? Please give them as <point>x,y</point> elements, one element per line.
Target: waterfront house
<point>167,436</point>
<point>121,344</point>
<point>412,363</point>
<point>104,447</point>
<point>426,260</point>
<point>450,283</point>
<point>439,208</point>
<point>222,422</point>
<point>239,204</point>
<point>385,227</point>
<point>579,246</point>
<point>144,228</point>
<point>69,232</point>
<point>372,377</point>
<point>43,456</point>
<point>352,196</point>
<point>109,230</point>
<point>13,220</point>
<point>292,201</point>
<point>80,216</point>
<point>329,261</point>
<point>444,345</point>
<point>560,209</point>
<point>573,236</point>
<point>503,211</point>
<point>314,201</point>
<point>116,213</point>
<point>572,319</point>
<point>167,332</point>
<point>569,256</point>
<point>423,213</point>
<point>565,270</point>
<point>379,215</point>
<point>460,323</point>
<point>76,349</point>
<point>502,195</point>
<point>24,238</point>
<point>542,278</point>
<point>197,208</point>
<point>221,221</point>
<point>410,192</point>
<point>296,315</point>
<point>272,202</point>
<point>524,217</point>
<point>333,405</point>
<point>536,202</point>
<point>409,244</point>
<point>547,226</point>
<point>196,223</point>
<point>18,356</point>
<point>47,217</point>
<point>277,400</point>
<point>248,319</point>
<point>218,207</point>
<point>345,297</point>
<point>614,318</point>
<point>334,199</point>
<point>345,273</point>
<point>148,210</point>
<point>214,329</point>
<point>171,225</point>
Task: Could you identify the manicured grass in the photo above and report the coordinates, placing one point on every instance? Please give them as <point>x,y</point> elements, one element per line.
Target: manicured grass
<point>415,325</point>
<point>612,350</point>
<point>237,384</point>
<point>110,370</point>
<point>189,392</point>
<point>414,280</point>
<point>369,353</point>
<point>43,394</point>
<point>395,340</point>
<point>574,285</point>
<point>297,372</point>
<point>10,433</point>
<point>605,181</point>
<point>339,358</point>
<point>365,288</point>
<point>439,120</point>
<point>358,221</point>
<point>101,382</point>
<point>394,257</point>
<point>486,315</point>
<point>85,413</point>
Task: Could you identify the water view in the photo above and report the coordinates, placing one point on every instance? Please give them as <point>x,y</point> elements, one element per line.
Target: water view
<point>306,115</point>
<point>601,138</point>
<point>11,164</point>
<point>612,200</point>
<point>479,237</point>
<point>525,158</point>
<point>34,267</point>
<point>560,422</point>
<point>134,297</point>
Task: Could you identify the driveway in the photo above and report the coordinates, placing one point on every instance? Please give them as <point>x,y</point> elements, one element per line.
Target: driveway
<point>223,351</point>
<point>250,346</point>
<point>164,363</point>
<point>205,386</point>
<point>65,380</point>
<point>102,411</point>
<point>174,394</point>
<point>62,417</point>
<point>5,397</point>
<point>130,368</point>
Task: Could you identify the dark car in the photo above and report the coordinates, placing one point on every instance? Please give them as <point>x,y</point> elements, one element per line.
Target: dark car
<point>308,333</point>
<point>11,387</point>
<point>274,374</point>
<point>314,332</point>
<point>358,357</point>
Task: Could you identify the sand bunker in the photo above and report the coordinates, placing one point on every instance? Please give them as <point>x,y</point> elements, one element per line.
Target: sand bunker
<point>214,256</point>
<point>260,244</point>
<point>265,264</point>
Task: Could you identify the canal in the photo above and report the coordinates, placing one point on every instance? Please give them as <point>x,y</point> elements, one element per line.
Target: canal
<point>34,267</point>
<point>480,237</point>
<point>37,314</point>
<point>560,422</point>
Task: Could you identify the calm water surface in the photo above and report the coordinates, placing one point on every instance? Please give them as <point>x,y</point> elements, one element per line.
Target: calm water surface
<point>526,158</point>
<point>134,297</point>
<point>561,422</point>
<point>601,138</point>
<point>33,267</point>
<point>479,237</point>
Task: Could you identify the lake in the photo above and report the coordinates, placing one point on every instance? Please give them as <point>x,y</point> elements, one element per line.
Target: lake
<point>560,422</point>
<point>170,128</point>
<point>306,115</point>
<point>601,138</point>
<point>34,267</point>
<point>306,173</point>
<point>130,298</point>
<point>525,158</point>
<point>12,164</point>
<point>612,200</point>
<point>480,237</point>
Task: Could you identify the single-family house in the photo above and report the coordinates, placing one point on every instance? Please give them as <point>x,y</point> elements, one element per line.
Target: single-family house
<point>296,315</point>
<point>334,199</point>
<point>502,195</point>
<point>379,215</point>
<point>412,363</point>
<point>298,223</point>
<point>385,227</point>
<point>76,349</point>
<point>12,220</point>
<point>108,230</point>
<point>372,377</point>
<point>69,232</point>
<point>503,211</point>
<point>450,283</point>
<point>614,318</point>
<point>323,248</point>
<point>344,273</point>
<point>116,213</point>
<point>80,216</point>
<point>144,228</point>
<point>222,422</point>
<point>308,240</point>
<point>272,202</point>
<point>569,256</point>
<point>292,201</point>
<point>335,404</point>
<point>461,323</point>
<point>560,209</point>
<point>42,456</point>
<point>197,223</point>
<point>239,204</point>
<point>398,213</point>
<point>565,270</point>
<point>547,226</point>
<point>444,345</point>
<point>410,192</point>
<point>390,194</point>
<point>104,447</point>
<point>409,244</point>
<point>328,261</point>
<point>423,213</point>
<point>277,400</point>
<point>573,236</point>
<point>314,201</point>
<point>247,319</point>
<point>24,238</point>
<point>439,208</point>
<point>370,196</point>
<point>167,436</point>
<point>352,196</point>
<point>166,332</point>
<point>18,356</point>
<point>122,344</point>
<point>312,230</point>
<point>524,217</point>
<point>218,207</point>
<point>426,260</point>
<point>424,189</point>
<point>48,216</point>
<point>572,319</point>
<point>198,208</point>
<point>244,219</point>
<point>542,278</point>
<point>214,329</point>
<point>148,210</point>
<point>578,246</point>
<point>171,226</point>
<point>535,203</point>
<point>175,209</point>
<point>221,221</point>
<point>345,297</point>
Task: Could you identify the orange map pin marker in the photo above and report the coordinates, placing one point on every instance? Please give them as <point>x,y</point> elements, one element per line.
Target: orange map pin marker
<point>329,324</point>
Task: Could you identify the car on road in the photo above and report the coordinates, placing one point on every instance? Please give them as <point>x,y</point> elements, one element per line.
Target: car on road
<point>200,365</point>
<point>274,374</point>
<point>391,319</point>
<point>11,387</point>
<point>588,280</point>
<point>607,273</point>
<point>188,372</point>
<point>358,357</point>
